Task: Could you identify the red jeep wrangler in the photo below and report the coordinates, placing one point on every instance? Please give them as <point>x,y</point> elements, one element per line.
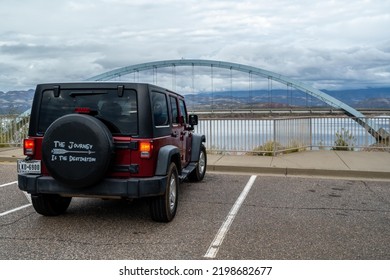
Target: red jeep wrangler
<point>109,140</point>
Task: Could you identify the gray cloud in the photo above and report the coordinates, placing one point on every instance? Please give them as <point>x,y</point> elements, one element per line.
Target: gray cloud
<point>329,44</point>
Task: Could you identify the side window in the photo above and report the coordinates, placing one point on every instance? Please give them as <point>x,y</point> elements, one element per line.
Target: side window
<point>183,110</point>
<point>175,111</point>
<point>160,109</point>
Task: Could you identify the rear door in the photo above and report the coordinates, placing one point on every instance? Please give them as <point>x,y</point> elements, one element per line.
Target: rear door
<point>186,134</point>
<point>178,129</point>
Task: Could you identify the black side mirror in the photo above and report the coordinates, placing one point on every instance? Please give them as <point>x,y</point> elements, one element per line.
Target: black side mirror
<point>193,120</point>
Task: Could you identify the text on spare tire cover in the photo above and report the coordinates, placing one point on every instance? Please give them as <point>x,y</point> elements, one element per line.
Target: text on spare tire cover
<point>62,149</point>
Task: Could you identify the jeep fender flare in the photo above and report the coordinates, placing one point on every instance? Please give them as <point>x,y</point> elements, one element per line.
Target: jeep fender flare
<point>197,141</point>
<point>166,155</point>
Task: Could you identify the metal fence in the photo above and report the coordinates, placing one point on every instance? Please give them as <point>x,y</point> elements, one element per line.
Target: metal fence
<point>257,136</point>
<point>13,130</point>
<point>273,136</point>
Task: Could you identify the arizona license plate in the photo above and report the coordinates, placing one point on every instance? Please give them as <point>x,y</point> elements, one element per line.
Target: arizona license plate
<point>31,166</point>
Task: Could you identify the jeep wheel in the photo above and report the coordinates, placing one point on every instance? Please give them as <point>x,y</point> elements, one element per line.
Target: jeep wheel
<point>77,150</point>
<point>200,170</point>
<point>50,204</point>
<point>163,208</point>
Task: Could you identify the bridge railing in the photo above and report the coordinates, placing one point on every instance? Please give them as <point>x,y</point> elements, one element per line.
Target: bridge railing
<point>257,136</point>
<point>273,136</point>
<point>13,129</point>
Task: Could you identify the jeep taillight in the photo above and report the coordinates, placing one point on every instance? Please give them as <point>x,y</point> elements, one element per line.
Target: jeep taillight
<point>29,147</point>
<point>145,149</point>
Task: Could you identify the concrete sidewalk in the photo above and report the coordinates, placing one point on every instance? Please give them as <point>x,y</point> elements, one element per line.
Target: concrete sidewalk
<point>369,165</point>
<point>11,154</point>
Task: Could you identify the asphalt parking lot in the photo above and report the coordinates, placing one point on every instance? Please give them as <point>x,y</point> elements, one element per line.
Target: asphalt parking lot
<point>281,217</point>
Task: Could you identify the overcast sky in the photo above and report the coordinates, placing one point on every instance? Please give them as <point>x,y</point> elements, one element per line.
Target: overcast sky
<point>327,44</point>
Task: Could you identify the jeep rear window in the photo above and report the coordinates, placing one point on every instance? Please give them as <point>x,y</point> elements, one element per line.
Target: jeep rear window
<point>118,113</point>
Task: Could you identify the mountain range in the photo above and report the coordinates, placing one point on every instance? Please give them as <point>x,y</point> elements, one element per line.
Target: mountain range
<point>16,102</point>
<point>370,98</point>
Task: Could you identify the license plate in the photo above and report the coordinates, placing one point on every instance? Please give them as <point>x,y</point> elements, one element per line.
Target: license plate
<point>31,166</point>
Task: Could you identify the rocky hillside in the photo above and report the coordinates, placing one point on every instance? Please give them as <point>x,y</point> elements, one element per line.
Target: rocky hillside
<point>15,102</point>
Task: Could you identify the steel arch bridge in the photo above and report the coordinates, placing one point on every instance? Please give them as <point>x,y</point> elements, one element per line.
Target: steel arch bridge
<point>333,102</point>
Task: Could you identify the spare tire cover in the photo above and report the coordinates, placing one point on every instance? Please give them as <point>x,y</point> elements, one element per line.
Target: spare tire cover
<point>77,150</point>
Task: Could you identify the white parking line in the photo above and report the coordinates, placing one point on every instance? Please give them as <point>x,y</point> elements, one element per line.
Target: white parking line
<point>14,210</point>
<point>27,196</point>
<point>8,184</point>
<point>17,208</point>
<point>218,239</point>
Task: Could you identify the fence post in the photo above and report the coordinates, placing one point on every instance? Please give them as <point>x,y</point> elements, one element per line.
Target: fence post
<point>311,133</point>
<point>274,144</point>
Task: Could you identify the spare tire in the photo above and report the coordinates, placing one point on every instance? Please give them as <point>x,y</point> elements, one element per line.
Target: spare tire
<point>77,150</point>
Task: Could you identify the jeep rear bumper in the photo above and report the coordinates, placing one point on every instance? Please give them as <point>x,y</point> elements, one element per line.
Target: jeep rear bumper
<point>110,188</point>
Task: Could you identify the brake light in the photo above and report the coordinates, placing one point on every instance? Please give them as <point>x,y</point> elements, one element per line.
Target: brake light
<point>28,147</point>
<point>145,149</point>
<point>82,110</point>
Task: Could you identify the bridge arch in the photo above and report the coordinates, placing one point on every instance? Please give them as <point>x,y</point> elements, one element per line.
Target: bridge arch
<point>326,98</point>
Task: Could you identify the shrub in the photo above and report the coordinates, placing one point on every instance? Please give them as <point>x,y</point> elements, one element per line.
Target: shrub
<point>267,149</point>
<point>344,141</point>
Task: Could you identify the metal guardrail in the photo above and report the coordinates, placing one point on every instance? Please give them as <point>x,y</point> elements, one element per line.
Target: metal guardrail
<point>13,129</point>
<point>257,136</point>
<point>273,136</point>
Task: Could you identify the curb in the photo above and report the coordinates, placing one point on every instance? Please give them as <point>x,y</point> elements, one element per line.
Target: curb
<point>11,154</point>
<point>301,172</point>
<point>9,159</point>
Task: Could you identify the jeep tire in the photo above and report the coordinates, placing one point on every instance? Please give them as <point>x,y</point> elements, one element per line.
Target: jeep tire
<point>163,208</point>
<point>50,204</point>
<point>77,150</point>
<point>198,174</point>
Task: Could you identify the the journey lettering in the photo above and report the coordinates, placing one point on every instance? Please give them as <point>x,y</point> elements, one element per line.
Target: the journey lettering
<point>73,145</point>
<point>62,148</point>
